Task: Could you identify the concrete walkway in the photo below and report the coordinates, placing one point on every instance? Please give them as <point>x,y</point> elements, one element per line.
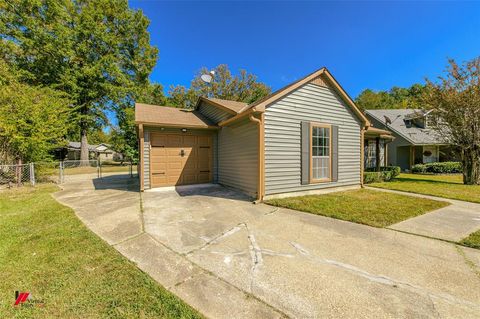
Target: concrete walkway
<point>229,258</point>
<point>454,222</point>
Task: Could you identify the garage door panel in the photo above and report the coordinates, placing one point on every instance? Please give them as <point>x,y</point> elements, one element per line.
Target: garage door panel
<point>157,140</point>
<point>204,178</point>
<point>159,180</point>
<point>189,178</point>
<point>169,167</point>
<point>173,141</point>
<point>204,141</point>
<point>189,140</point>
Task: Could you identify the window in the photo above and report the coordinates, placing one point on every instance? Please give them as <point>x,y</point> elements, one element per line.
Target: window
<point>370,154</point>
<point>320,153</point>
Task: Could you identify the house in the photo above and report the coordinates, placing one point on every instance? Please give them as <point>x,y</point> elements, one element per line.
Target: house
<point>415,140</point>
<point>304,138</point>
<point>102,152</point>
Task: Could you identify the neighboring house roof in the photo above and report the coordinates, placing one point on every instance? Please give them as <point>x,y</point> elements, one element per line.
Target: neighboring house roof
<point>413,134</point>
<point>169,116</point>
<point>102,147</point>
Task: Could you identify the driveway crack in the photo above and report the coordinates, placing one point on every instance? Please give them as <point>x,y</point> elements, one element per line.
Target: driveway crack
<point>255,255</point>
<point>468,262</point>
<point>218,238</point>
<point>380,279</point>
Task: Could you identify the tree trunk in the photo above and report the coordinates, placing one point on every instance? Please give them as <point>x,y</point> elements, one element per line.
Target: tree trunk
<point>84,153</point>
<point>471,166</point>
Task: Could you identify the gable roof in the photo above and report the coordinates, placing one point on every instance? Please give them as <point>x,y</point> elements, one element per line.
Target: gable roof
<point>233,107</point>
<point>91,147</point>
<point>261,104</point>
<point>413,134</point>
<point>169,116</point>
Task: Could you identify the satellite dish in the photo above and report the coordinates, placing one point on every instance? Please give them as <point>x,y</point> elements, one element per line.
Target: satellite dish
<point>207,78</point>
<point>387,120</point>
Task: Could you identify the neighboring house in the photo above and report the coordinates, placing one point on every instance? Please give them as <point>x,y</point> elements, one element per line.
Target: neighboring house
<point>303,138</point>
<point>102,152</point>
<point>415,139</point>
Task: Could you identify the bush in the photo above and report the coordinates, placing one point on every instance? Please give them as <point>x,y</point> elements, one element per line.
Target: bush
<point>386,174</point>
<point>438,168</point>
<point>419,168</point>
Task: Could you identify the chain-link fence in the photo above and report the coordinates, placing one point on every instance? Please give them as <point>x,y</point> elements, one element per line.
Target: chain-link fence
<point>17,175</point>
<point>60,171</point>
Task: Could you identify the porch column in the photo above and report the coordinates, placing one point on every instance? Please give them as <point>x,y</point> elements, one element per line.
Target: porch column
<point>377,154</point>
<point>412,156</point>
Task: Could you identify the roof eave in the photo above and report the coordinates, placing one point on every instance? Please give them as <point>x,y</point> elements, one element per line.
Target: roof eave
<point>262,104</point>
<point>238,116</point>
<point>173,125</point>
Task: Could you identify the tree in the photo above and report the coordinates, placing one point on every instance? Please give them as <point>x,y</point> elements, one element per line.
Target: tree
<point>97,51</point>
<point>124,136</point>
<point>243,87</point>
<point>455,104</point>
<point>33,119</point>
<point>395,98</point>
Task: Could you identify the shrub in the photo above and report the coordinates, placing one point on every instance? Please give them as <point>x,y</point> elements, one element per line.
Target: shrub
<point>372,177</point>
<point>386,174</point>
<point>438,168</point>
<point>419,168</point>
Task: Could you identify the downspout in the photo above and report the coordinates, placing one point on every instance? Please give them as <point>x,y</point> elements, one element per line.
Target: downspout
<point>141,170</point>
<point>362,155</point>
<point>261,151</point>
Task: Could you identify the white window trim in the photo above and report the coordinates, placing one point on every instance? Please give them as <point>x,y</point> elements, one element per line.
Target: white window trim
<point>329,178</point>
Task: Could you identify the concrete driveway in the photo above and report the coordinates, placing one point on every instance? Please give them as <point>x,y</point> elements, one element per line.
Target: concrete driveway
<point>230,258</point>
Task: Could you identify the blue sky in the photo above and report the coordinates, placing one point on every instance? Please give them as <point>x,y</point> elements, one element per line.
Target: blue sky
<point>373,45</point>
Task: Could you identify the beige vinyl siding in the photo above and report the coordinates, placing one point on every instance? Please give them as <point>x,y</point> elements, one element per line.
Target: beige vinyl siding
<point>146,151</point>
<point>238,156</point>
<point>283,138</point>
<point>213,113</point>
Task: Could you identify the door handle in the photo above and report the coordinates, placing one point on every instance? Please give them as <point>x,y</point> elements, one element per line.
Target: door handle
<point>182,153</point>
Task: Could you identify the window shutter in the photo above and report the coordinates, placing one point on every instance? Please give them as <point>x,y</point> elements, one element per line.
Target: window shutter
<point>305,136</point>
<point>334,153</point>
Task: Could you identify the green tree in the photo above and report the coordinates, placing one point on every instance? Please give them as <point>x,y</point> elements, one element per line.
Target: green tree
<point>33,119</point>
<point>97,51</point>
<point>124,136</point>
<point>395,98</point>
<point>455,103</point>
<point>243,87</point>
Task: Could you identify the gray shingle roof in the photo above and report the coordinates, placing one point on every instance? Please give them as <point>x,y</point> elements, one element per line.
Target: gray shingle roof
<point>413,134</point>
<point>76,145</point>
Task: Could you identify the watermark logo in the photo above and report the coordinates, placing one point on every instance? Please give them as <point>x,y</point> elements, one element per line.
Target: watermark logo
<point>21,297</point>
<point>25,299</point>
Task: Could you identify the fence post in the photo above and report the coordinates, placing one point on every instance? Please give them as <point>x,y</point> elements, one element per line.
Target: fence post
<point>60,172</point>
<point>99,169</point>
<point>32,174</point>
<point>130,169</point>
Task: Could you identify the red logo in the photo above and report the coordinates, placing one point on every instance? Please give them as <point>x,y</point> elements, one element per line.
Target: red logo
<point>20,297</point>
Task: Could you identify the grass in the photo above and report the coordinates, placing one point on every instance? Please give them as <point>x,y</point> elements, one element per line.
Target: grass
<point>363,206</point>
<point>47,251</point>
<point>473,240</point>
<point>448,186</point>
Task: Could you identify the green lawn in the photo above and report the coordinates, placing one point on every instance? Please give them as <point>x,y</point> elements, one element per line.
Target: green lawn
<point>473,240</point>
<point>47,251</point>
<point>448,186</point>
<point>362,206</point>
